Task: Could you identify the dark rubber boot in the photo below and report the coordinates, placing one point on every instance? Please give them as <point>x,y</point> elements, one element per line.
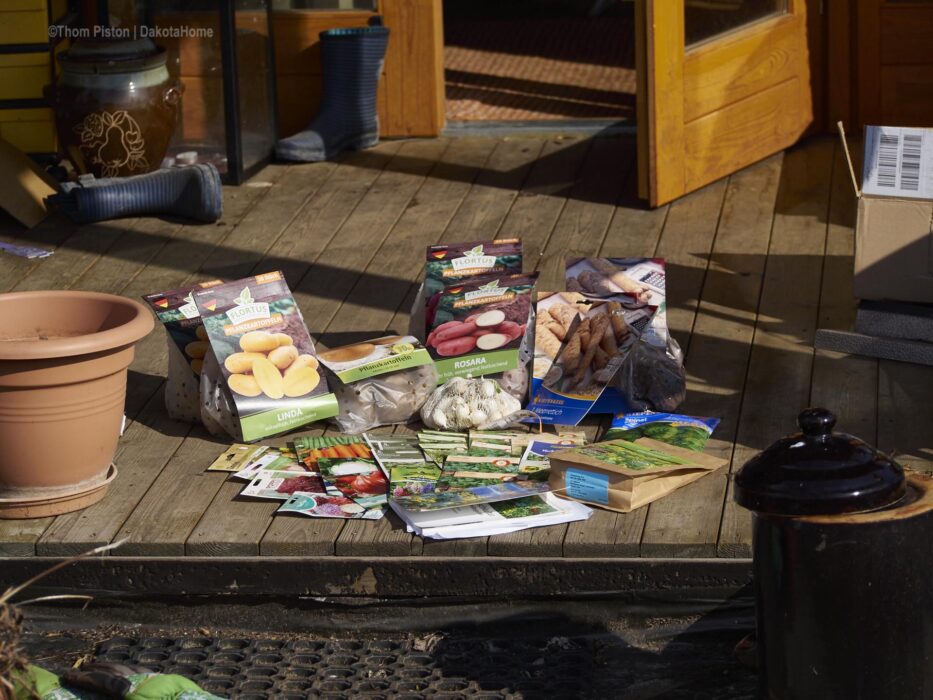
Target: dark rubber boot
<point>351,60</point>
<point>192,192</point>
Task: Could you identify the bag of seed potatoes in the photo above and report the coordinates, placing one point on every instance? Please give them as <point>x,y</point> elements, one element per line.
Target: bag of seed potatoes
<point>379,382</point>
<point>269,375</point>
<point>485,328</point>
<point>187,347</point>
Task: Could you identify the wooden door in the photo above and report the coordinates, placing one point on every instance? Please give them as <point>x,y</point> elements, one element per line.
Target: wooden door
<point>721,84</point>
<point>894,62</point>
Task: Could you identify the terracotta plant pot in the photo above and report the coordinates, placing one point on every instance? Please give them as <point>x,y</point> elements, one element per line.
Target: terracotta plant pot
<point>63,363</point>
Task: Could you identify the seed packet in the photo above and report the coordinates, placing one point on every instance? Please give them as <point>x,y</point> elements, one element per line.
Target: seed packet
<point>478,329</point>
<point>310,449</point>
<point>271,459</point>
<point>235,457</point>
<point>563,435</point>
<point>357,479</point>
<point>490,449</point>
<point>280,485</point>
<point>412,479</point>
<point>689,432</point>
<point>187,346</point>
<point>535,464</point>
<point>437,444</point>
<point>320,505</point>
<point>465,471</point>
<point>266,358</point>
<point>494,492</point>
<point>379,382</point>
<point>391,451</point>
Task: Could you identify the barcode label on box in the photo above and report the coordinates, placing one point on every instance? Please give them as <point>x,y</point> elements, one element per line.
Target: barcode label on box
<point>898,162</point>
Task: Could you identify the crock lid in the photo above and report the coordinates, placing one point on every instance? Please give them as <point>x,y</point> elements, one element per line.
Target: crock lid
<point>112,56</point>
<point>818,472</point>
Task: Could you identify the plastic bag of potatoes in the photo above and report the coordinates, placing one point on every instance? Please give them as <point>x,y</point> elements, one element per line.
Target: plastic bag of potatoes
<point>379,382</point>
<point>383,400</point>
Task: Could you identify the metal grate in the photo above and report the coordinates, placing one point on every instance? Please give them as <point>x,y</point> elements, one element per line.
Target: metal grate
<point>264,668</point>
<point>475,668</point>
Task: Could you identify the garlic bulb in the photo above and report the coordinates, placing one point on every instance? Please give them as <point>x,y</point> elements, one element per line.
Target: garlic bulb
<point>461,404</point>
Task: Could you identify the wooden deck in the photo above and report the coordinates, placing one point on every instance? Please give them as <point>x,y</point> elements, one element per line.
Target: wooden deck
<point>756,263</point>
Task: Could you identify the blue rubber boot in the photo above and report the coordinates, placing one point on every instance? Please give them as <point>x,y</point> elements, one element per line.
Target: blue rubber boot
<point>192,192</point>
<point>351,60</point>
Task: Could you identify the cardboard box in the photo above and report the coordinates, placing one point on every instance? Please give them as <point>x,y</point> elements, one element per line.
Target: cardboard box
<point>598,474</point>
<point>23,186</point>
<point>894,226</point>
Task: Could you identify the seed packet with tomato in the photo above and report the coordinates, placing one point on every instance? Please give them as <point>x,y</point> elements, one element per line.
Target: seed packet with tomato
<point>358,479</point>
<point>479,328</point>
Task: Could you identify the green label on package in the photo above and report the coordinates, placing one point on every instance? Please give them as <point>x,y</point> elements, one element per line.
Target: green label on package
<point>476,365</point>
<point>298,413</point>
<point>351,363</point>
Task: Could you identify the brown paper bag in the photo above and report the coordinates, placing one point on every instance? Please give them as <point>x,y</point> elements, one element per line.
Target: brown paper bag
<point>621,476</point>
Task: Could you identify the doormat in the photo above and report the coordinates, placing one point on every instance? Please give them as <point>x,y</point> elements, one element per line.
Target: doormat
<point>540,68</point>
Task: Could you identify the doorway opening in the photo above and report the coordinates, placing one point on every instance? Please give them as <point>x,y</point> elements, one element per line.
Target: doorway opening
<point>539,60</point>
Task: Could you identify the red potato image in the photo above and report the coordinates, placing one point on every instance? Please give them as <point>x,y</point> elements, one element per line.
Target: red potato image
<point>456,331</point>
<point>511,329</point>
<point>484,331</point>
<point>456,346</point>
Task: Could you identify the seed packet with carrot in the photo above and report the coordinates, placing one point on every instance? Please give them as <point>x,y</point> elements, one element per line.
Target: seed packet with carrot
<point>265,355</point>
<point>336,447</point>
<point>479,328</point>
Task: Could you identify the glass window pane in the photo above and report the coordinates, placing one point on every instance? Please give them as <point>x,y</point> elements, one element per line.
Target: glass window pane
<point>705,19</point>
<point>257,131</point>
<point>194,58</point>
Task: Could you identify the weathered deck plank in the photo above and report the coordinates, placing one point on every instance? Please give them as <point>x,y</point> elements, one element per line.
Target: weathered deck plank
<point>634,231</point>
<point>845,384</point>
<point>778,383</point>
<point>430,210</point>
<point>686,523</point>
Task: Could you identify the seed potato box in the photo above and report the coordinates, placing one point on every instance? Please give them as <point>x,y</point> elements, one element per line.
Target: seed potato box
<point>266,355</point>
<point>479,328</point>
